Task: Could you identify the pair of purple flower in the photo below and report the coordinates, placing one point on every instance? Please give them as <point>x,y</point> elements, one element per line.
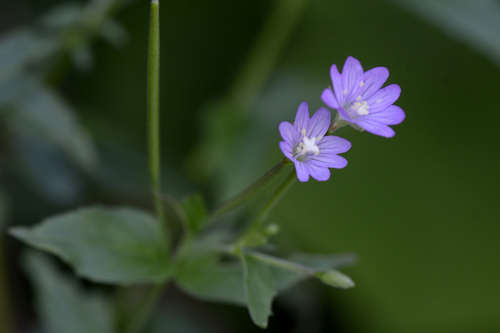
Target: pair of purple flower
<point>360,102</point>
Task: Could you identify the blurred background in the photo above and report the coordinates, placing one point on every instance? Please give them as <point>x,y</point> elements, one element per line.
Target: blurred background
<point>420,210</point>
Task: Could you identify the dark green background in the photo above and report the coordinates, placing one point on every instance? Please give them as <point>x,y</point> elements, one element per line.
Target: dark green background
<point>420,209</point>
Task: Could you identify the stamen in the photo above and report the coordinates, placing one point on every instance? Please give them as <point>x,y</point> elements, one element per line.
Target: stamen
<point>361,108</point>
<point>380,100</point>
<point>345,91</point>
<point>303,131</point>
<point>358,98</point>
<point>361,84</point>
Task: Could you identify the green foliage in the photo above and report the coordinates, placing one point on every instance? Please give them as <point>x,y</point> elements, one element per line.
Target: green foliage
<point>213,281</point>
<point>259,289</point>
<point>40,112</point>
<point>62,304</point>
<point>195,209</point>
<point>109,245</point>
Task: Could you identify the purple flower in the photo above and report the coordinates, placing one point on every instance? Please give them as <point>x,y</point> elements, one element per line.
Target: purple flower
<point>360,101</point>
<point>307,146</point>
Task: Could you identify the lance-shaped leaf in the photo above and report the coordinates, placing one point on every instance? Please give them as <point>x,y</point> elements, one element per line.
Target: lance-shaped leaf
<point>61,304</point>
<point>110,245</point>
<point>259,288</point>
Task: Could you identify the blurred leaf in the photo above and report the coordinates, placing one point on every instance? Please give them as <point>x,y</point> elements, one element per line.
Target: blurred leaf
<point>213,281</point>
<point>476,22</point>
<point>61,304</point>
<point>21,48</point>
<point>42,113</point>
<point>11,89</point>
<point>114,33</point>
<point>62,16</point>
<point>82,57</point>
<point>110,245</point>
<point>259,289</point>
<point>47,170</point>
<point>196,211</point>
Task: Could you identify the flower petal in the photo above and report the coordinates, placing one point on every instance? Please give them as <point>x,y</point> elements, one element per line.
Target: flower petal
<point>383,98</point>
<point>374,79</point>
<point>352,75</point>
<point>302,171</point>
<point>329,98</point>
<point>375,127</point>
<point>288,133</point>
<point>302,117</point>
<point>287,150</point>
<point>318,172</point>
<point>334,144</point>
<point>319,123</point>
<point>338,88</point>
<point>393,115</point>
<point>328,161</point>
<point>344,115</point>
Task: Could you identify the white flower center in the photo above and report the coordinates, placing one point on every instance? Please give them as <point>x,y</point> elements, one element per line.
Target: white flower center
<point>361,108</point>
<point>308,145</point>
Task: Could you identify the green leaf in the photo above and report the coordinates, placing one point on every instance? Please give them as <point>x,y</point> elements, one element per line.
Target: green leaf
<point>22,48</point>
<point>259,289</point>
<point>213,281</point>
<point>196,211</point>
<point>61,304</point>
<point>41,113</point>
<point>110,245</point>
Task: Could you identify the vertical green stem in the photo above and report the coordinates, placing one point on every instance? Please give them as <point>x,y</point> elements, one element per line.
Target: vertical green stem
<point>154,110</point>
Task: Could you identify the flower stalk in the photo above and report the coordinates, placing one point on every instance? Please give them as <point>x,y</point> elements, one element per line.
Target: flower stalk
<point>258,223</point>
<point>255,188</point>
<point>153,102</point>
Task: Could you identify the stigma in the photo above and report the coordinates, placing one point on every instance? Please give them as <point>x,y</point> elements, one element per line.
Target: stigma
<point>308,145</point>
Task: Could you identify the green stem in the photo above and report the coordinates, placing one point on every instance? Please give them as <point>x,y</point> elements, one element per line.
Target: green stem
<point>252,190</point>
<point>268,207</point>
<point>142,314</point>
<point>154,111</point>
<point>140,318</point>
<point>277,262</point>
